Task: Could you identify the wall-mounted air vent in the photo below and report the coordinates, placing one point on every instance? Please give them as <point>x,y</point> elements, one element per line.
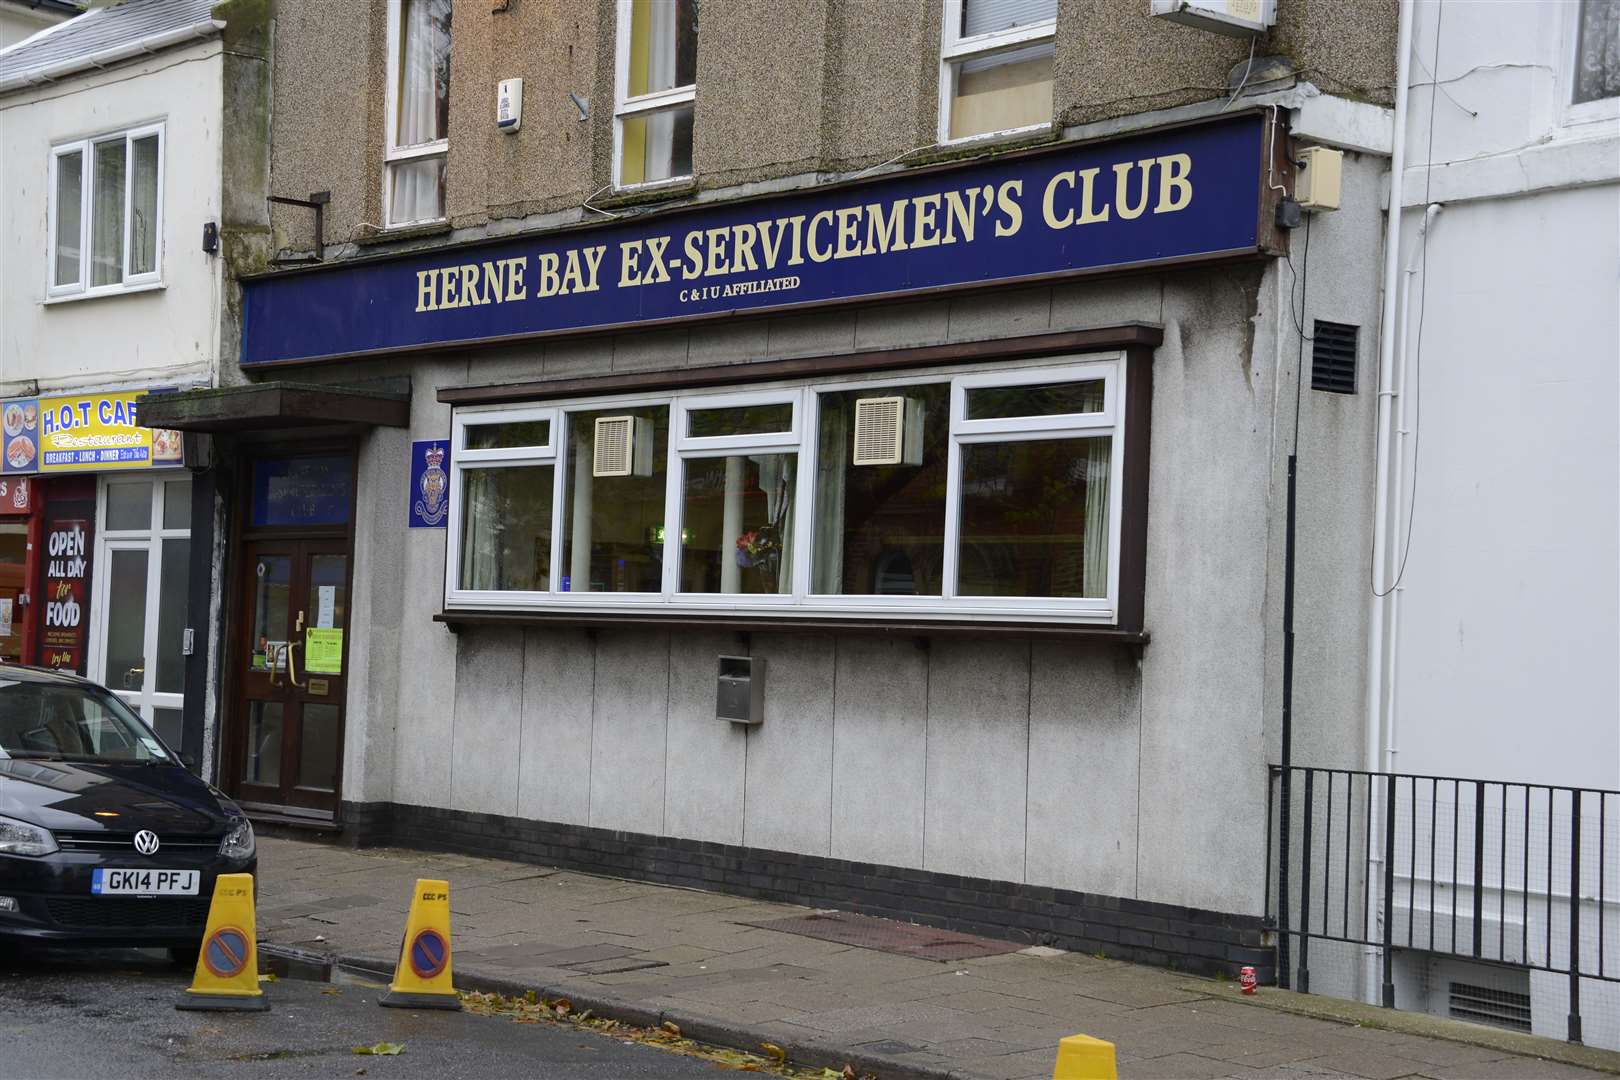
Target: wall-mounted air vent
<point>1490,1005</point>
<point>624,446</point>
<point>888,431</point>
<point>1333,358</point>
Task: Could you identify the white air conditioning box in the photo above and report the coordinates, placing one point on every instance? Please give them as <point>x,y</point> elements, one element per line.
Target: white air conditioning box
<point>1240,18</point>
<point>624,446</point>
<point>888,431</point>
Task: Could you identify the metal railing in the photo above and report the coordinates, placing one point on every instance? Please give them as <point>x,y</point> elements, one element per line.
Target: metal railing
<point>1515,874</point>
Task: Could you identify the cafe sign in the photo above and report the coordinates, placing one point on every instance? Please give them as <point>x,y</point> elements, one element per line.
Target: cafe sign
<point>83,432</point>
<point>1184,194</point>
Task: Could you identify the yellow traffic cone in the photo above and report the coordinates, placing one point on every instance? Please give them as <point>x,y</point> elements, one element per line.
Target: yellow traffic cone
<point>227,978</point>
<point>1080,1057</point>
<point>422,976</point>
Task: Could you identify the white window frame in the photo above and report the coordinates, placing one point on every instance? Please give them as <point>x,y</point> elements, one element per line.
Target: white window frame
<point>395,153</point>
<point>147,699</point>
<point>1110,368</point>
<point>954,48</point>
<point>1579,118</point>
<point>82,289</point>
<point>625,106</point>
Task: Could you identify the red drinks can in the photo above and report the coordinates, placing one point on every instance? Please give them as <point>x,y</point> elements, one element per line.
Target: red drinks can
<point>1246,981</point>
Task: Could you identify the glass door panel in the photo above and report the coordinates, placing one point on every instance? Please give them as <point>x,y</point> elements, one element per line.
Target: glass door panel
<point>126,619</point>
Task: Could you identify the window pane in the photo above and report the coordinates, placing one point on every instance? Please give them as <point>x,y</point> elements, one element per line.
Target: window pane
<point>663,45</point>
<point>129,505</point>
<point>177,504</point>
<point>1035,518</point>
<point>748,420</point>
<point>143,221</point>
<point>611,522</point>
<point>990,16</point>
<point>424,72</point>
<point>880,528</point>
<point>69,210</point>
<point>270,615</point>
<point>263,757</point>
<point>169,725</point>
<point>173,588</point>
<point>126,620</point>
<point>657,145</point>
<point>107,215</point>
<point>1001,92</point>
<point>318,747</point>
<point>1042,399</point>
<point>497,436</point>
<point>1597,53</point>
<point>416,191</point>
<point>737,524</point>
<point>506,528</point>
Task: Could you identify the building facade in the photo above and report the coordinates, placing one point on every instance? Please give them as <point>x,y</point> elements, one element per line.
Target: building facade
<point>978,548</point>
<point>112,127</point>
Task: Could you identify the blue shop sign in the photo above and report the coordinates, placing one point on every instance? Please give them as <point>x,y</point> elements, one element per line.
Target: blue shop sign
<point>1193,192</point>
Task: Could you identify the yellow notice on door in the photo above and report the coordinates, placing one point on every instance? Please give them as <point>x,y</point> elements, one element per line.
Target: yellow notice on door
<point>323,651</point>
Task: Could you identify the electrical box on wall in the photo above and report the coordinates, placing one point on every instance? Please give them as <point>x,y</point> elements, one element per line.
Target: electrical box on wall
<point>741,695</point>
<point>1240,18</point>
<point>509,104</point>
<point>1316,182</point>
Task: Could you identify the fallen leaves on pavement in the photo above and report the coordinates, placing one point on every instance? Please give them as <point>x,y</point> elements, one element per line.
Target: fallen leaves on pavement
<point>531,1008</point>
<point>382,1049</point>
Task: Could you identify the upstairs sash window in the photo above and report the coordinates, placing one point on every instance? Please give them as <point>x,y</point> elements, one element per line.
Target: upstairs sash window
<point>418,110</point>
<point>995,71</point>
<point>656,91</point>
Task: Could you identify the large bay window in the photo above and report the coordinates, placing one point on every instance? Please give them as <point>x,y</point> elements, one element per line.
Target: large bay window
<point>995,73</point>
<point>655,91</point>
<point>106,213</point>
<point>418,118</point>
<point>929,494</point>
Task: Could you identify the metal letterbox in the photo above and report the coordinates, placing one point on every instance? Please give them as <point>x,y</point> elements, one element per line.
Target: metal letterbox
<point>741,694</point>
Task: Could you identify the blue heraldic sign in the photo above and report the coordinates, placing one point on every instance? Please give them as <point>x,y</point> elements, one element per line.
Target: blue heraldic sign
<point>430,483</point>
<point>1174,195</point>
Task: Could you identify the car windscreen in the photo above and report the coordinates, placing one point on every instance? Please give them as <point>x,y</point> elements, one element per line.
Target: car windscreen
<point>72,723</point>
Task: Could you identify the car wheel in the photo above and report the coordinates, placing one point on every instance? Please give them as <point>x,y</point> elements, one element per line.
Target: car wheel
<point>184,956</point>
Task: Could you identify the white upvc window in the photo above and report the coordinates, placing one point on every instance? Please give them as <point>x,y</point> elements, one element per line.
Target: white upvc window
<point>418,111</point>
<point>655,91</point>
<point>1590,85</point>
<point>995,67</point>
<point>950,492</point>
<point>141,583</point>
<point>106,214</point>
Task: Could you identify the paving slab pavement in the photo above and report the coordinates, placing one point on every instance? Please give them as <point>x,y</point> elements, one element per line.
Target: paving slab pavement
<point>646,953</point>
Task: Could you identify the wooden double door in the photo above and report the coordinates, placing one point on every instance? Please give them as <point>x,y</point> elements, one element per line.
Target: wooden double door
<point>291,661</point>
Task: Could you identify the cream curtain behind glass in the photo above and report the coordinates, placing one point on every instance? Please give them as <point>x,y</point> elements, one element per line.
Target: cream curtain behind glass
<point>415,194</point>
<point>660,75</point>
<point>1099,465</point>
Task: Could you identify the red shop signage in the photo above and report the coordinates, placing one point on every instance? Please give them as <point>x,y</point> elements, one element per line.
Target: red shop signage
<point>16,495</point>
<point>67,594</point>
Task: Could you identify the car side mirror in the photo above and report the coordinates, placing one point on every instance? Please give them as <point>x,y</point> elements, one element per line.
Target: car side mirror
<point>189,761</point>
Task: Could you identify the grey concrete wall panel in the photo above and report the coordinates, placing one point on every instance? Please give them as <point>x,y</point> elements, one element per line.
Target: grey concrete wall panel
<point>1084,727</point>
<point>559,714</point>
<point>880,764</point>
<point>1206,588</point>
<point>790,760</point>
<point>426,682</point>
<point>628,740</point>
<point>727,342</point>
<point>1000,314</point>
<point>902,326</point>
<point>707,759</point>
<point>820,334</point>
<point>1089,302</point>
<point>489,693</point>
<point>651,350</point>
<point>978,758</point>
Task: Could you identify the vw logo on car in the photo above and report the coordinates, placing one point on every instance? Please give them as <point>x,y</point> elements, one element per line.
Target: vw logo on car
<point>146,842</point>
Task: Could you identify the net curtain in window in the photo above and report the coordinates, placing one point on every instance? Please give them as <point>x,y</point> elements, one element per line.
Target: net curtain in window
<point>424,105</point>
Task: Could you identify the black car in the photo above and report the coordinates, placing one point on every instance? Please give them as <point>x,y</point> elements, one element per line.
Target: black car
<point>106,839</point>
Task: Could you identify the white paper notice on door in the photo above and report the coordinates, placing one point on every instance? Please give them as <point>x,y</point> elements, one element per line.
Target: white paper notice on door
<point>328,600</point>
<point>5,618</point>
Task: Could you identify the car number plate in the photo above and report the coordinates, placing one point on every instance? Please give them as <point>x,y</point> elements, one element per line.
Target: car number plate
<point>109,882</point>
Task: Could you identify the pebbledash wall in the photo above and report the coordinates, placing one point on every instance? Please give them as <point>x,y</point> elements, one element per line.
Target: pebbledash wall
<point>1081,792</point>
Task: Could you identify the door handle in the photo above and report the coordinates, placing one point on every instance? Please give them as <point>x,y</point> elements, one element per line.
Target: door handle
<point>292,663</point>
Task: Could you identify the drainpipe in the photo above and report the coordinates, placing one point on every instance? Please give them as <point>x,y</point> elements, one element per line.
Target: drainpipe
<point>1376,675</point>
